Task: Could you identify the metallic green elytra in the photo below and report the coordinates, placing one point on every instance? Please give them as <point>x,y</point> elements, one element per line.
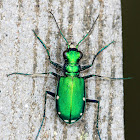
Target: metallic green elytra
<point>70,96</point>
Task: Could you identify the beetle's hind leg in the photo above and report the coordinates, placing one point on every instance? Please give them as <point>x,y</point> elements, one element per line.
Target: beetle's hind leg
<point>53,95</point>
<point>95,101</point>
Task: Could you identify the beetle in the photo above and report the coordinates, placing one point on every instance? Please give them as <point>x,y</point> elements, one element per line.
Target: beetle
<point>70,97</point>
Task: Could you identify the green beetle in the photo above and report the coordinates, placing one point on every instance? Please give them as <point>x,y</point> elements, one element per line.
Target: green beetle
<point>70,97</point>
<point>70,100</point>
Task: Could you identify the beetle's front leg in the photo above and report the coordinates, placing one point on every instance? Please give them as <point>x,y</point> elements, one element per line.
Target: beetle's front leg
<point>55,64</point>
<point>88,66</point>
<point>95,101</point>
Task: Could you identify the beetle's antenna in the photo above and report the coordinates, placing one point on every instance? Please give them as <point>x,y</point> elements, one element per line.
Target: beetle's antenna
<point>88,32</point>
<point>59,28</point>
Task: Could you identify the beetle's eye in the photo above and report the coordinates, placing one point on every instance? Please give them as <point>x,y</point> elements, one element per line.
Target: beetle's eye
<point>65,55</point>
<point>81,55</point>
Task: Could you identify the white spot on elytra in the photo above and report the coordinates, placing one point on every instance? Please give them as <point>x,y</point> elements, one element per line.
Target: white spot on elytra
<point>83,98</point>
<point>57,97</point>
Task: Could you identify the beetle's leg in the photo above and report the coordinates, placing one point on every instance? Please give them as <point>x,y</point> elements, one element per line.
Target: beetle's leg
<point>88,66</point>
<point>52,94</point>
<point>35,74</point>
<point>43,117</point>
<point>55,64</point>
<point>95,101</point>
<point>106,78</point>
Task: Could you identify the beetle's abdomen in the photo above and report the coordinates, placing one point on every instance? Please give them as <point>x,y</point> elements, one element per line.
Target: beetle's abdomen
<point>70,99</point>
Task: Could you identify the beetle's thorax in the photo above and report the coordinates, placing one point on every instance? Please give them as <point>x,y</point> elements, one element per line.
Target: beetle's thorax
<point>72,57</point>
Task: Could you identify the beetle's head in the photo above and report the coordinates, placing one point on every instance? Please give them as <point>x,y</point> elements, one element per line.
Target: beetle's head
<point>72,54</point>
